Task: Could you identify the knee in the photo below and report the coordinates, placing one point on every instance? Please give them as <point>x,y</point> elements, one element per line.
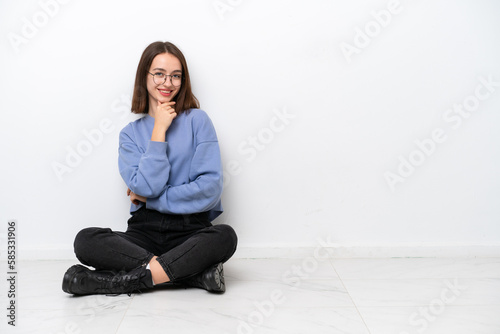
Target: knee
<point>228,236</point>
<point>86,239</point>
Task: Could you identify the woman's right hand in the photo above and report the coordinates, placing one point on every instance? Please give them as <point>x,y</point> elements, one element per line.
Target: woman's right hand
<point>164,115</point>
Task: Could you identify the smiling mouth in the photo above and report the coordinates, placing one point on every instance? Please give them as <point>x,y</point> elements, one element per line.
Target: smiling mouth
<point>165,92</point>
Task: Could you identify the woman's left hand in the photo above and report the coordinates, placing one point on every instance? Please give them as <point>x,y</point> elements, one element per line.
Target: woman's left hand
<point>134,198</point>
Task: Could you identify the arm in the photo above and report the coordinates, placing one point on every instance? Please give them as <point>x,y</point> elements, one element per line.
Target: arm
<point>146,173</point>
<point>204,190</point>
<point>203,187</point>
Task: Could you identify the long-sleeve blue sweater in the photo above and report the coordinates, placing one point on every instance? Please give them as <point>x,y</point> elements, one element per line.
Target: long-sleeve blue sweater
<point>182,175</point>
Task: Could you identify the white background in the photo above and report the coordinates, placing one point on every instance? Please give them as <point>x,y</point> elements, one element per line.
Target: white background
<point>321,175</point>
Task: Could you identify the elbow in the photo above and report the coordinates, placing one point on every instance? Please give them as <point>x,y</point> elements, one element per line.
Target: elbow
<point>212,192</point>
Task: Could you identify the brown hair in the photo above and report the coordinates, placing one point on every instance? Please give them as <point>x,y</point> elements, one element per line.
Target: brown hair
<point>184,99</point>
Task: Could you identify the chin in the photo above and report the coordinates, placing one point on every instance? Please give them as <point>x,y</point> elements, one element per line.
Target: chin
<point>163,99</point>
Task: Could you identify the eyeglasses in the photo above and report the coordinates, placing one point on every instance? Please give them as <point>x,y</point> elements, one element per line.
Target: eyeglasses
<point>160,78</point>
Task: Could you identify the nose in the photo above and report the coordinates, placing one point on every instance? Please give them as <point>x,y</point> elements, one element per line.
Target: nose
<point>168,81</point>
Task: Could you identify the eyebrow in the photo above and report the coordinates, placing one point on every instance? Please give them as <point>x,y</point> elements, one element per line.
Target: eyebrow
<point>161,69</point>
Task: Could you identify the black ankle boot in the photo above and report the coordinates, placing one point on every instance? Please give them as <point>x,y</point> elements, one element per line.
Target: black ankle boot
<point>80,280</point>
<point>211,279</point>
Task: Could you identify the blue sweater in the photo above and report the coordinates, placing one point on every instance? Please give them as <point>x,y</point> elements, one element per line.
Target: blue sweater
<point>183,175</point>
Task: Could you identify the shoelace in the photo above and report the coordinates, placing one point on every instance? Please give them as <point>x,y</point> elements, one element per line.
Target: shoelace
<point>130,284</point>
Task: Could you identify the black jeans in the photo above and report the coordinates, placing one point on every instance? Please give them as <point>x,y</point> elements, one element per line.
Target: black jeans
<point>185,244</point>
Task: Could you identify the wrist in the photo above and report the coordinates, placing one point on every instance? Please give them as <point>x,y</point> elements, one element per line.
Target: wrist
<point>158,132</point>
<point>159,126</point>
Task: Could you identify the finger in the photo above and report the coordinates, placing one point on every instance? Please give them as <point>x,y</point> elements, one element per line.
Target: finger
<point>128,191</point>
<point>169,110</point>
<point>166,108</point>
<point>170,103</point>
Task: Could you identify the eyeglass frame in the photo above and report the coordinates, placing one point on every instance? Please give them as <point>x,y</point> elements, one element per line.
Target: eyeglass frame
<point>167,75</point>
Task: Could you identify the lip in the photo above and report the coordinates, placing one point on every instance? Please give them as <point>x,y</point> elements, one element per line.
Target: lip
<point>167,94</point>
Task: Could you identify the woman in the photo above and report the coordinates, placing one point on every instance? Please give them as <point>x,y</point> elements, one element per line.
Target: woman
<point>170,161</point>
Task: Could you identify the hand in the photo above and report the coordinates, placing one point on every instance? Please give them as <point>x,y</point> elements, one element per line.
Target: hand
<point>165,114</point>
<point>134,198</point>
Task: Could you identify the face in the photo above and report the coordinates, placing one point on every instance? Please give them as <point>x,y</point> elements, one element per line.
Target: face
<point>164,92</point>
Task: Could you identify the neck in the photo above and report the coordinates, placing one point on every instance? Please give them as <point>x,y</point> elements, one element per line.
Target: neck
<point>153,105</point>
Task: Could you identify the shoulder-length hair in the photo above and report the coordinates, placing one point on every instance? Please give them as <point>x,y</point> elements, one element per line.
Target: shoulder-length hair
<point>185,99</point>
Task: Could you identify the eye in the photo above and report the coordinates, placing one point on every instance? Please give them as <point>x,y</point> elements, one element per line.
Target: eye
<point>160,75</point>
<point>176,76</point>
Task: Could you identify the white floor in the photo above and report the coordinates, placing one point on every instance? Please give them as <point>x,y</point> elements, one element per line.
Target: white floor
<point>377,296</point>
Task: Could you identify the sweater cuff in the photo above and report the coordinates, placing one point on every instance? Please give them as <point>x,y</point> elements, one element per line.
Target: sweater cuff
<point>157,148</point>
